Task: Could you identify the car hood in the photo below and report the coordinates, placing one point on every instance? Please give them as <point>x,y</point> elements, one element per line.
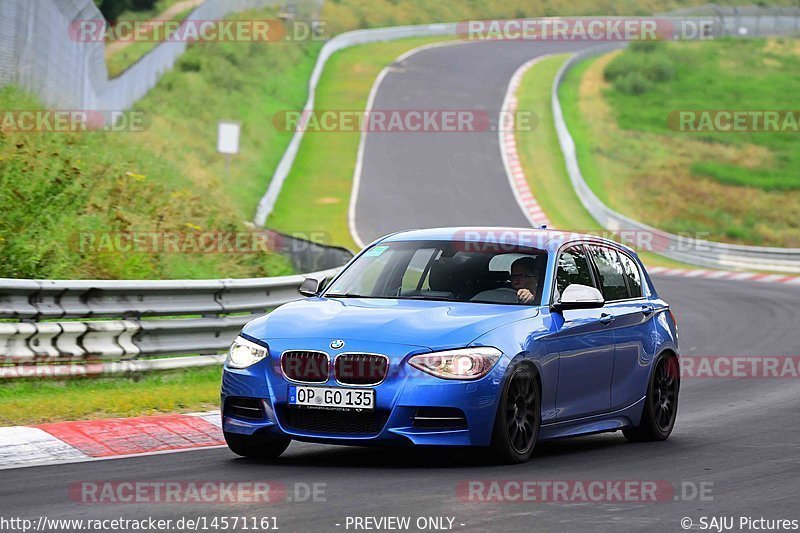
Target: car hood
<point>430,324</point>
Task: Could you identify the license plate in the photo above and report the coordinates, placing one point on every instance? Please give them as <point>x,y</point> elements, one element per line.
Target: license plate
<point>332,397</point>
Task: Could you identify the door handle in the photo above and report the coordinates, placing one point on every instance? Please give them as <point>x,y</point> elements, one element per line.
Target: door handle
<point>647,310</point>
<point>606,319</point>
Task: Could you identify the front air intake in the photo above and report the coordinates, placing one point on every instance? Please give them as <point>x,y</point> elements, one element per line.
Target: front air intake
<point>247,408</point>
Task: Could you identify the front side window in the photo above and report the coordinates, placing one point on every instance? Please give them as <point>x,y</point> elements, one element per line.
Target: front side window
<point>447,271</point>
<point>573,268</point>
<point>612,274</point>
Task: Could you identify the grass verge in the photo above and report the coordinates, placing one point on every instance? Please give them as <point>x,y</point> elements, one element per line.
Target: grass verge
<point>40,401</point>
<point>739,187</point>
<point>541,157</point>
<point>316,195</point>
<point>120,59</point>
<point>168,179</point>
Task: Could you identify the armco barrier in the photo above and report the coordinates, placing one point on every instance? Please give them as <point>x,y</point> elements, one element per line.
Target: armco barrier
<point>697,252</point>
<point>110,322</point>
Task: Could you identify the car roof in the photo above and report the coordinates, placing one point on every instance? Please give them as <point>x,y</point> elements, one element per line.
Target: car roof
<point>542,239</point>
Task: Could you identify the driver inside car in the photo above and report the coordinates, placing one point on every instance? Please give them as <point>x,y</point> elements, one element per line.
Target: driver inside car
<point>524,279</point>
<point>525,273</point>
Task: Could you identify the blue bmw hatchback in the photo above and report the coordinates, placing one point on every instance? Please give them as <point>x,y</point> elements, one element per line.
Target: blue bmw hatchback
<point>484,337</point>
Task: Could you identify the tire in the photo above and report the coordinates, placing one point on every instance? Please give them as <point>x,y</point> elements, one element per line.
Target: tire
<point>661,403</point>
<point>255,447</point>
<point>518,418</point>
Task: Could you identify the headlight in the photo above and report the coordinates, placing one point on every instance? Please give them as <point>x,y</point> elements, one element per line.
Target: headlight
<point>464,363</point>
<point>244,353</point>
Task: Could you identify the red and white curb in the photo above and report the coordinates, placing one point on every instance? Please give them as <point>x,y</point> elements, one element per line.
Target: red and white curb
<point>724,275</point>
<point>508,149</point>
<point>71,442</point>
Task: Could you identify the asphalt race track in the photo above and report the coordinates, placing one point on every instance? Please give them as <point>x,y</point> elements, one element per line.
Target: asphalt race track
<point>738,437</point>
<point>427,180</point>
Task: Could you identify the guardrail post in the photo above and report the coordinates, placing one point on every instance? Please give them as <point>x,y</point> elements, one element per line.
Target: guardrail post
<point>42,343</point>
<point>68,343</point>
<point>16,341</point>
<point>111,339</point>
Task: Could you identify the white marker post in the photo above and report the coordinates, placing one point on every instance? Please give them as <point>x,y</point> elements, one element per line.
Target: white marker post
<point>228,134</point>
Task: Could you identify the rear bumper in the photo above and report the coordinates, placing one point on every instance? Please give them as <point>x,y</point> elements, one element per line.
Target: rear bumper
<point>395,420</point>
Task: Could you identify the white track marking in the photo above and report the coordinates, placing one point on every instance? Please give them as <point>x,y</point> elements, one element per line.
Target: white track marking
<point>351,214</point>
<point>21,446</point>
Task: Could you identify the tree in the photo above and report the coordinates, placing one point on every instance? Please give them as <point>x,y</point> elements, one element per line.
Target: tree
<point>111,9</point>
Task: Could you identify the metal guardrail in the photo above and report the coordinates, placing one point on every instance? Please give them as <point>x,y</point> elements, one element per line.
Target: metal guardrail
<point>693,251</point>
<point>111,322</point>
<point>746,21</point>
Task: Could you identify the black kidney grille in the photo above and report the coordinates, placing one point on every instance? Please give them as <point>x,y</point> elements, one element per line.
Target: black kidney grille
<point>334,422</point>
<point>309,367</point>
<point>360,368</point>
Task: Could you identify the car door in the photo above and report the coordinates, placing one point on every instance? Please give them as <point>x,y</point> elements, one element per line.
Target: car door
<point>621,280</point>
<point>584,343</point>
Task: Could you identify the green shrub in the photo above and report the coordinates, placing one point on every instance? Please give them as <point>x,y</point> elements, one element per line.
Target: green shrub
<point>623,65</point>
<point>639,67</point>
<point>189,63</point>
<point>646,47</point>
<point>659,68</point>
<point>111,9</point>
<point>632,83</point>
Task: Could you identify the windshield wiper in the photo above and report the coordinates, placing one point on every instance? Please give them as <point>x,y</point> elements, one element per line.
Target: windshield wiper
<point>345,295</point>
<point>422,297</point>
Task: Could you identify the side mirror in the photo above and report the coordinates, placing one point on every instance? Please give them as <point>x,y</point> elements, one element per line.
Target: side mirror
<point>311,286</point>
<point>579,297</point>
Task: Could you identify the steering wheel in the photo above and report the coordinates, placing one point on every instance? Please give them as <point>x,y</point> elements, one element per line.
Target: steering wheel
<point>502,295</point>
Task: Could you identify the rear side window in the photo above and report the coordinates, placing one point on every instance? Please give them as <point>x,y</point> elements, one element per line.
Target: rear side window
<point>573,268</point>
<point>612,275</point>
<point>631,271</point>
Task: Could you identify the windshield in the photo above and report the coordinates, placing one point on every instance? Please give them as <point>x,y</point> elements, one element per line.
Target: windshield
<point>445,271</point>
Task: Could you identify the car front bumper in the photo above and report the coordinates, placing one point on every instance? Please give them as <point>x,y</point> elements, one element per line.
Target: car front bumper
<point>403,403</point>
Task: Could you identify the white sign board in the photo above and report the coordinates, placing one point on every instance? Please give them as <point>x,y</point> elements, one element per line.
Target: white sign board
<point>228,138</point>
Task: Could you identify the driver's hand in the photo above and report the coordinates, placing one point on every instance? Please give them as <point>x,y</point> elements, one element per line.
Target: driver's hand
<point>525,296</point>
